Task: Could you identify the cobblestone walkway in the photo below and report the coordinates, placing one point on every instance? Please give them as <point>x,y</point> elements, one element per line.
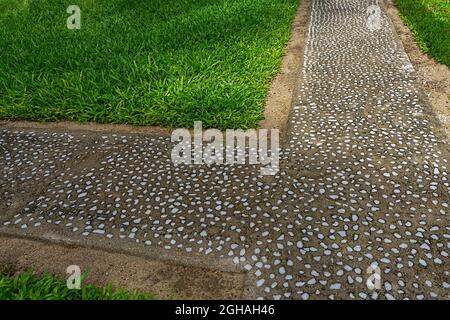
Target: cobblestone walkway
<point>363,182</point>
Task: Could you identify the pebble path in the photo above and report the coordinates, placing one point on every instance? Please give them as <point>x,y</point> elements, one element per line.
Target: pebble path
<point>362,184</point>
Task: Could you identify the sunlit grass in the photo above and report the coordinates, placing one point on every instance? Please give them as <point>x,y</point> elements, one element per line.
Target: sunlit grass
<point>140,62</point>
<point>429,21</point>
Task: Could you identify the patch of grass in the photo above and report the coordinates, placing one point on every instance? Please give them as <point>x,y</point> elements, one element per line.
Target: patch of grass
<point>429,21</point>
<point>27,286</point>
<point>141,62</point>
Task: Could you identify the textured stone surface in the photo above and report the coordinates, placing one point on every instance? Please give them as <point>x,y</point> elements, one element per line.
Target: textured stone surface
<point>363,182</point>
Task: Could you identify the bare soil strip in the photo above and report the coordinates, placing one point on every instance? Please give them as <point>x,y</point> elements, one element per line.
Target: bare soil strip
<point>278,101</point>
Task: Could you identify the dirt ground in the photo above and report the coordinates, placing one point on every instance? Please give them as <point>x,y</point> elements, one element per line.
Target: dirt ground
<point>434,77</point>
<point>139,273</point>
<point>283,87</point>
<point>122,271</point>
<point>277,105</point>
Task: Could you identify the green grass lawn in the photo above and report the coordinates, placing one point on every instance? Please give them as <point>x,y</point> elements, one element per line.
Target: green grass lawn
<point>142,62</point>
<point>429,21</point>
<point>27,286</point>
